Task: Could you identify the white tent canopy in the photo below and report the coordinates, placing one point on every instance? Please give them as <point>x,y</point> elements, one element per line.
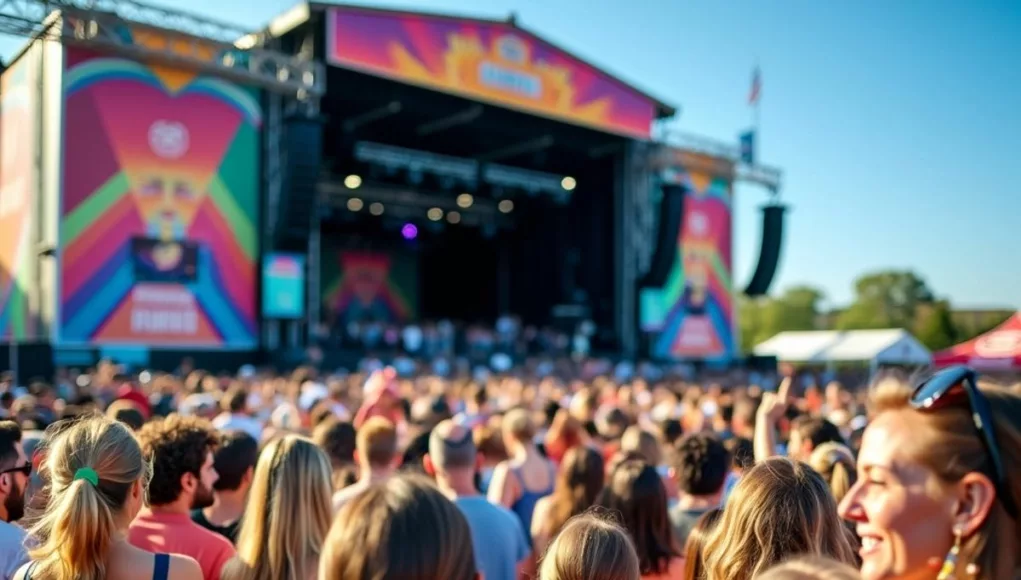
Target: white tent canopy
<point>877,347</point>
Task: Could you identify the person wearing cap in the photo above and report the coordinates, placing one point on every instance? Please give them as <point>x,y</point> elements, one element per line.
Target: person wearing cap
<point>130,391</point>
<point>382,399</point>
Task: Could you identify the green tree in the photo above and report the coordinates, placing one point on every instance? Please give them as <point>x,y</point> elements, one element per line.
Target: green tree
<point>935,326</point>
<point>762,318</point>
<point>887,299</point>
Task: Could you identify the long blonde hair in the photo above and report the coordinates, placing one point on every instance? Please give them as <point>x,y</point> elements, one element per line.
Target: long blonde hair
<point>82,512</point>
<point>590,548</point>
<point>288,513</point>
<point>835,463</point>
<point>779,509</point>
<point>952,448</point>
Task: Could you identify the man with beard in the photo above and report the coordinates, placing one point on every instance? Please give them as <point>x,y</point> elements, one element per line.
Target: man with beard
<point>14,472</point>
<point>181,452</point>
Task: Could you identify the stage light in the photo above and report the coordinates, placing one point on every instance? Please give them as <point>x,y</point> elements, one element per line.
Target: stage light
<point>355,204</point>
<point>454,217</point>
<point>352,181</point>
<point>409,231</point>
<point>505,206</point>
<point>568,183</point>
<point>376,208</point>
<point>465,200</point>
<point>435,214</point>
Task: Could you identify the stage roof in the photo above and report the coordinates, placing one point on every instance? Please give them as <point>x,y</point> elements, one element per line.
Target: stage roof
<point>888,346</point>
<point>487,60</point>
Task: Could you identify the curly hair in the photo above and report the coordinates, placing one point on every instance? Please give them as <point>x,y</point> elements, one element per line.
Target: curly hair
<point>702,463</point>
<point>175,446</point>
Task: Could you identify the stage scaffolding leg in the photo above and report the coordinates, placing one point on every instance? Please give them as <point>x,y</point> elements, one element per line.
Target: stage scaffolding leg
<point>634,241</point>
<point>503,281</point>
<point>314,289</point>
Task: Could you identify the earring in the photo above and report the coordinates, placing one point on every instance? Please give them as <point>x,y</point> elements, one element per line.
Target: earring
<point>949,568</point>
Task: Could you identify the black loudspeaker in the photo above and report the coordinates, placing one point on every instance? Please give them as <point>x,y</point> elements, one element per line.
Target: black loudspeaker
<point>671,219</point>
<point>303,147</point>
<point>769,250</point>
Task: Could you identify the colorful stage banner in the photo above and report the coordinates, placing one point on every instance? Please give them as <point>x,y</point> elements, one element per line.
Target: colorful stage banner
<point>160,207</point>
<point>19,113</point>
<point>283,286</point>
<point>364,286</point>
<point>489,61</point>
<point>692,316</point>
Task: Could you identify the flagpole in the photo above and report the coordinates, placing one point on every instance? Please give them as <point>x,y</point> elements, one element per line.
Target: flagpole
<point>755,109</point>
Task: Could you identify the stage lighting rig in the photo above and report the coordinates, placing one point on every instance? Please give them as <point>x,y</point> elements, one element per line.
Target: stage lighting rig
<point>113,25</point>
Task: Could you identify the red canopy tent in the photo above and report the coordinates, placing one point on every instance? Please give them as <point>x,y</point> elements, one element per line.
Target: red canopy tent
<point>998,350</point>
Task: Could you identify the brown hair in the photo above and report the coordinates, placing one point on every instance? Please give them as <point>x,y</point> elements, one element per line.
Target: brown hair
<point>951,448</point>
<point>579,481</point>
<point>635,492</point>
<point>694,569</point>
<point>590,548</point>
<point>127,412</point>
<point>175,446</point>
<point>337,439</point>
<point>779,509</point>
<point>642,442</point>
<point>404,529</point>
<point>811,568</point>
<point>376,442</point>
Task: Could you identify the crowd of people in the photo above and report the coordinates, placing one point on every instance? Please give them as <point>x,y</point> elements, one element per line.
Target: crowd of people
<point>384,476</point>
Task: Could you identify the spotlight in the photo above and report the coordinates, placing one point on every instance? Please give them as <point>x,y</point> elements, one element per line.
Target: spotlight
<point>409,231</point>
<point>505,206</point>
<point>352,181</point>
<point>454,217</point>
<point>465,200</point>
<point>376,208</point>
<point>355,204</point>
<point>435,214</point>
<point>568,183</point>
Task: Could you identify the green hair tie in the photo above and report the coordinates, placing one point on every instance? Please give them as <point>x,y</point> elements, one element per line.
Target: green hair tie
<point>88,474</point>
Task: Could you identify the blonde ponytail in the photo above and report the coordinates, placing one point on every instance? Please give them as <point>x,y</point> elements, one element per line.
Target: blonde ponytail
<point>92,467</point>
<point>836,464</point>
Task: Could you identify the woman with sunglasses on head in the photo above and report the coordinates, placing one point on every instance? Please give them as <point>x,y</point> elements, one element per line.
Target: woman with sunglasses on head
<point>939,481</point>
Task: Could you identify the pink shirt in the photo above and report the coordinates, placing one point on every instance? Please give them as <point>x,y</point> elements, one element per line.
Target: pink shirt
<point>169,533</point>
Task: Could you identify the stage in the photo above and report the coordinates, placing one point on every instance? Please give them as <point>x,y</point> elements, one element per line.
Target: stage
<point>233,193</point>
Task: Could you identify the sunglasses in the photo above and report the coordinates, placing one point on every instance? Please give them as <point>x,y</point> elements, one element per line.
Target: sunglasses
<point>25,470</point>
<point>959,384</point>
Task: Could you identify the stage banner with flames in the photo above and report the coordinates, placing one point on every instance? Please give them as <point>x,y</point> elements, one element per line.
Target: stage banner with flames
<point>692,316</point>
<point>18,114</point>
<point>488,61</point>
<point>368,286</point>
<point>160,204</point>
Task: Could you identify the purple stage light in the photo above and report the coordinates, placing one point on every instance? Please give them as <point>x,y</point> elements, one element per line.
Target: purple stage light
<point>409,231</point>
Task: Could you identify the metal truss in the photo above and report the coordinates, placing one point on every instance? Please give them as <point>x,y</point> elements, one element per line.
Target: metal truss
<point>768,177</point>
<point>193,41</point>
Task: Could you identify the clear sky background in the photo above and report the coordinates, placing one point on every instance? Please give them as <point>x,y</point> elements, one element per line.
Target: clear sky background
<point>897,124</point>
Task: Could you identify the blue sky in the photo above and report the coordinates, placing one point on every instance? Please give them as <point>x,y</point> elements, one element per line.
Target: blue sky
<point>896,123</point>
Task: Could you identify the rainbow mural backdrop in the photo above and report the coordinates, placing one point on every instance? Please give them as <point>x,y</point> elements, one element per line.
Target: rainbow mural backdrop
<point>692,315</point>
<point>488,61</point>
<point>360,286</point>
<point>18,114</point>
<point>160,207</point>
